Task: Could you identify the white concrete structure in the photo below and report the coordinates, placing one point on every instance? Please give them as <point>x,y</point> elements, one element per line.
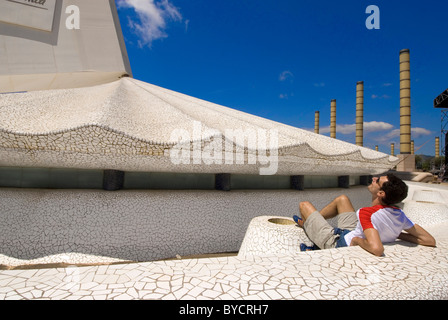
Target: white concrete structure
<point>60,44</point>
<point>38,14</point>
<point>272,235</point>
<point>130,125</point>
<point>78,113</point>
<point>81,113</point>
<point>405,272</point>
<point>41,226</point>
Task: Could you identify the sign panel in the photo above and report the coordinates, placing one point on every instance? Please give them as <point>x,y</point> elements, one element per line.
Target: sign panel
<point>37,14</point>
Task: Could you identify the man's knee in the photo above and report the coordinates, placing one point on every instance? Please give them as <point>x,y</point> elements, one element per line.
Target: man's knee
<point>343,198</point>
<point>304,204</point>
<point>344,204</point>
<point>306,208</point>
<point>343,201</point>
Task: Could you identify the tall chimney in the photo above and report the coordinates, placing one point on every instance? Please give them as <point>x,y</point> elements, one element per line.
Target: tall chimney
<point>333,119</point>
<point>376,148</point>
<point>405,102</point>
<point>437,147</point>
<point>392,149</point>
<point>316,122</point>
<point>407,159</point>
<point>359,113</point>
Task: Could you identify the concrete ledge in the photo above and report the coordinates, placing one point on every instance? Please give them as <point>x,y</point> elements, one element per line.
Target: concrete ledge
<point>270,235</point>
<point>414,176</point>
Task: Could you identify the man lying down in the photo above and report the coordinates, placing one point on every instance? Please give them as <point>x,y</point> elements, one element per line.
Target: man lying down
<point>368,227</point>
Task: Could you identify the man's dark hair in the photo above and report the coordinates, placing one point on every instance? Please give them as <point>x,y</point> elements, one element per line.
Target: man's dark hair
<point>395,189</point>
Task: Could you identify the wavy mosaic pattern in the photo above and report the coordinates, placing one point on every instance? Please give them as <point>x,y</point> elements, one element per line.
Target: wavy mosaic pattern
<point>131,125</point>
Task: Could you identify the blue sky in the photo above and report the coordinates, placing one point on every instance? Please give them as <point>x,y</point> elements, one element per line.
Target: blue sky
<point>285,59</point>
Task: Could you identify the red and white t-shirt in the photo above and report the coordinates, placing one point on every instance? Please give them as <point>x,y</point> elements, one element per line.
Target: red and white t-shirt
<point>388,221</point>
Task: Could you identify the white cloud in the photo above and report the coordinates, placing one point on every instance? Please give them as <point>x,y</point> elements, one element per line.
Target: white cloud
<point>151,20</point>
<point>418,132</point>
<point>285,75</point>
<point>372,126</point>
<point>346,128</point>
<point>388,136</point>
<point>319,85</point>
<point>384,96</point>
<point>286,95</point>
<point>380,132</point>
<point>415,133</point>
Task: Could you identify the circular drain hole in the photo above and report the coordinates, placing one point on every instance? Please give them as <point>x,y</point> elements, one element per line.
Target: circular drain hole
<point>281,221</point>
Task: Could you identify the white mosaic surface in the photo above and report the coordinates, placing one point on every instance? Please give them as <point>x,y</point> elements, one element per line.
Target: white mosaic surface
<point>426,204</point>
<point>346,273</point>
<point>128,125</point>
<point>272,235</point>
<point>406,271</point>
<point>72,226</point>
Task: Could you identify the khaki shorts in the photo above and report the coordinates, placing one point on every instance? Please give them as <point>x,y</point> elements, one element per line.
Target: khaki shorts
<point>320,232</point>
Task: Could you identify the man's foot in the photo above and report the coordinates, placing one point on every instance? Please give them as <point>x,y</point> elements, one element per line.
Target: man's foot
<point>304,247</point>
<point>298,220</point>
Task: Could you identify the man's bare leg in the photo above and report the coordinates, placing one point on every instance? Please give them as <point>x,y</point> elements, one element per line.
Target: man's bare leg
<point>306,209</point>
<point>339,205</point>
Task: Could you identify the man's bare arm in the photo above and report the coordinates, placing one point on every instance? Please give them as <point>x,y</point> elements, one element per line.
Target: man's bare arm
<point>418,235</point>
<point>372,243</point>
